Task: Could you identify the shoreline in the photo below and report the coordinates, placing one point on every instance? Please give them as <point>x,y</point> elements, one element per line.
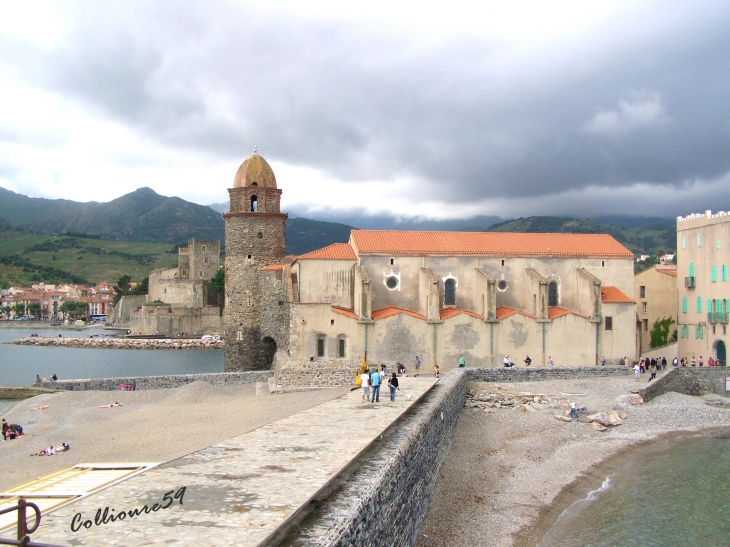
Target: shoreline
<point>510,475</point>
<point>591,480</point>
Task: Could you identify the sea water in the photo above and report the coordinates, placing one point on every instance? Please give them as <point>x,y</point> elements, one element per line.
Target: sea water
<point>20,364</point>
<point>673,493</point>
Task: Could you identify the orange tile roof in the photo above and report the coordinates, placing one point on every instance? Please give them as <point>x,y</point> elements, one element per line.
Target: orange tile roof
<point>453,312</point>
<point>382,313</point>
<point>393,242</point>
<point>613,295</point>
<point>346,313</point>
<point>672,271</point>
<point>503,311</point>
<point>274,267</point>
<point>336,251</point>
<point>554,312</point>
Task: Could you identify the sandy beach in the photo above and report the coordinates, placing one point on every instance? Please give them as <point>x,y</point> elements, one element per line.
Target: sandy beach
<point>151,426</point>
<point>510,474</point>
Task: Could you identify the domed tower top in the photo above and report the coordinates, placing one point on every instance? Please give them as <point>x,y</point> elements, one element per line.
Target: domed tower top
<point>254,171</point>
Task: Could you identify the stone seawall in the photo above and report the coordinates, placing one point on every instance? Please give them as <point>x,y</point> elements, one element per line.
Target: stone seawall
<point>158,382</point>
<point>516,374</point>
<point>119,343</point>
<point>397,479</point>
<point>690,381</point>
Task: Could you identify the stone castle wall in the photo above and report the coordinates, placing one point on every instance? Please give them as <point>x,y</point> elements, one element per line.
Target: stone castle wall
<point>174,320</point>
<point>690,381</point>
<point>535,374</point>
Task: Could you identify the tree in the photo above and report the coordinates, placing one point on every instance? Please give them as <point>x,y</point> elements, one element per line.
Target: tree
<point>73,309</point>
<point>19,309</point>
<point>660,332</point>
<point>218,284</point>
<point>34,309</point>
<point>143,287</point>
<point>122,288</point>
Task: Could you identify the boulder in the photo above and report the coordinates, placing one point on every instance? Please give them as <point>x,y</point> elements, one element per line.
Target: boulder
<point>613,418</point>
<point>598,427</point>
<point>631,398</point>
<point>562,418</point>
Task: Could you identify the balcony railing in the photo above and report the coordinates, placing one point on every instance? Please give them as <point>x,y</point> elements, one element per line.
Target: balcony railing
<point>689,282</point>
<point>717,317</point>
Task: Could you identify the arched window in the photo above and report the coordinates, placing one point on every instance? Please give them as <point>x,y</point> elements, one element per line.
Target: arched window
<point>254,204</point>
<point>691,269</point>
<point>713,273</point>
<point>450,292</point>
<point>684,304</point>
<point>553,293</point>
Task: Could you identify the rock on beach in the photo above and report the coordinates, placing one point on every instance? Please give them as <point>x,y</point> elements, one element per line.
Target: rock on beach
<point>120,343</point>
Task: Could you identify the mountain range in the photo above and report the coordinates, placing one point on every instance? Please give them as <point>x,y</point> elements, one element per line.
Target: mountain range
<point>145,216</point>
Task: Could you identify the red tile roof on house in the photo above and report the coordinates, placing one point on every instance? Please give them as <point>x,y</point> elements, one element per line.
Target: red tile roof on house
<point>503,311</point>
<point>667,271</point>
<point>336,251</point>
<point>346,313</point>
<point>274,267</point>
<point>393,242</point>
<point>453,312</point>
<point>382,313</point>
<point>554,312</point>
<point>613,295</point>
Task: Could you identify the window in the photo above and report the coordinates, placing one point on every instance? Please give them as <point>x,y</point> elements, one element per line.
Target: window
<point>332,322</point>
<point>713,273</point>
<point>642,292</point>
<point>646,307</point>
<point>450,292</point>
<point>254,204</point>
<point>609,322</point>
<point>691,269</point>
<point>723,273</point>
<point>699,240</point>
<point>646,324</point>
<point>203,247</point>
<point>502,285</point>
<point>341,347</point>
<point>719,245</point>
<point>200,273</point>
<point>391,261</point>
<point>205,260</point>
<point>603,263</point>
<point>320,346</point>
<point>391,282</point>
<point>553,293</point>
<point>684,242</point>
<point>702,332</point>
<point>699,304</point>
<point>503,263</point>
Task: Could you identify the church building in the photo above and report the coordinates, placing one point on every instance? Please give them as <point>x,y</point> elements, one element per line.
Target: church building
<point>389,296</point>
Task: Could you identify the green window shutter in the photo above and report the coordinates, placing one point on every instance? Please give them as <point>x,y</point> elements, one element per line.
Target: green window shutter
<point>696,333</point>
<point>702,332</point>
<point>691,269</point>
<point>699,240</point>
<point>714,273</point>
<point>684,242</point>
<point>684,304</point>
<point>699,304</point>
<point>723,273</point>
<point>709,305</point>
<point>719,245</point>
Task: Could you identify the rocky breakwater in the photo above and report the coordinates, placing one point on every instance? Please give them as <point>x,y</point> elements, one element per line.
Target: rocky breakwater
<point>559,404</point>
<point>120,343</point>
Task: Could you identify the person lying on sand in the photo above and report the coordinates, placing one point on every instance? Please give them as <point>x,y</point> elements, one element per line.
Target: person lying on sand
<point>53,450</point>
<point>113,405</point>
<point>44,407</point>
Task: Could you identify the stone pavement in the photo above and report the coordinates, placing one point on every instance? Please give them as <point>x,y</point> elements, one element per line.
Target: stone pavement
<point>240,491</point>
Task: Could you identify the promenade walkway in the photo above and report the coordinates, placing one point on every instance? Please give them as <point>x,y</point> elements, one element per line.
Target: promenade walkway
<point>238,492</point>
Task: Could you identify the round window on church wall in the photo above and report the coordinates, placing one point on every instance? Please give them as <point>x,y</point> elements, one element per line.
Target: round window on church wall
<point>502,285</point>
<point>391,282</point>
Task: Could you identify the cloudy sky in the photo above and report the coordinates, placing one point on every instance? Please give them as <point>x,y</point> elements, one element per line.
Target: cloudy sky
<point>442,111</point>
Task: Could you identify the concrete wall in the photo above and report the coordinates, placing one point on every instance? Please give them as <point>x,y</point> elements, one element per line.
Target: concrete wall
<point>385,500</point>
<point>158,382</point>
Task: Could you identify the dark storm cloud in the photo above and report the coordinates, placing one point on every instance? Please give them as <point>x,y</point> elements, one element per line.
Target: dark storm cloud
<point>644,101</point>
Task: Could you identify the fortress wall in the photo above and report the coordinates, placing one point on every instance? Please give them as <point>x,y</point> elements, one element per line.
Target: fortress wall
<point>535,374</point>
<point>158,382</point>
<point>396,480</point>
<point>690,381</point>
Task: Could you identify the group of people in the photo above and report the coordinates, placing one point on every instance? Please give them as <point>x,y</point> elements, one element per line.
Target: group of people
<point>370,385</point>
<point>11,431</point>
<point>129,387</point>
<point>651,365</point>
<point>694,362</point>
<point>508,362</point>
<point>53,450</point>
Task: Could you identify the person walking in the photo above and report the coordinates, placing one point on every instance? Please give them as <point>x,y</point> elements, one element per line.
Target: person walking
<point>653,371</point>
<point>418,365</point>
<point>393,385</point>
<point>664,363</point>
<point>527,361</point>
<point>6,427</point>
<point>550,361</point>
<point>375,382</point>
<point>462,362</point>
<point>365,386</point>
<point>700,360</point>
<point>637,372</point>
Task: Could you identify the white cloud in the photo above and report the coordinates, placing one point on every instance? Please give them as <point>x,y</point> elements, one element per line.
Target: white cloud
<point>643,112</point>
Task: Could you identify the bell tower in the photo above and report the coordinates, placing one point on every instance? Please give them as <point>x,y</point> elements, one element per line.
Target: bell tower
<point>255,238</point>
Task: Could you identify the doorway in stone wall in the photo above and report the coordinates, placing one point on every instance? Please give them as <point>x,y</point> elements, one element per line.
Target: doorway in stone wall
<point>268,350</point>
<point>720,352</point>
